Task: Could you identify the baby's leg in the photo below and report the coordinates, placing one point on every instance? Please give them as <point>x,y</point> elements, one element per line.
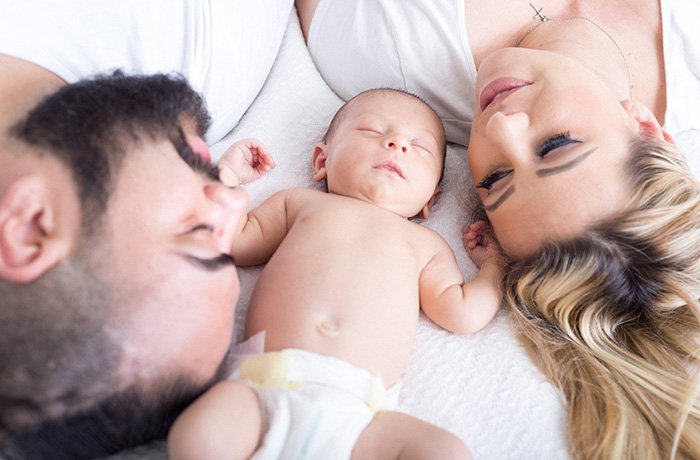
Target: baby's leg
<point>224,423</point>
<point>395,435</point>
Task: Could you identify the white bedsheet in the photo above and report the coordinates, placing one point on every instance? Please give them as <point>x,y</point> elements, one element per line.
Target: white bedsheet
<point>481,387</point>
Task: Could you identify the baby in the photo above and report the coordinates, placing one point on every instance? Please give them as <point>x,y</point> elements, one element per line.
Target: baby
<point>337,304</point>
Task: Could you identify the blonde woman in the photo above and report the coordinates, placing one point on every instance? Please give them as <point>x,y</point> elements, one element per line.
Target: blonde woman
<point>571,119</point>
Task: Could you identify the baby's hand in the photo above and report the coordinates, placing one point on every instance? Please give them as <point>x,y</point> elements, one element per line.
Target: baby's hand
<point>243,162</point>
<point>480,247</point>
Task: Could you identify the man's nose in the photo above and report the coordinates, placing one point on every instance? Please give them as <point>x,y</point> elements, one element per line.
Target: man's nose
<point>230,206</point>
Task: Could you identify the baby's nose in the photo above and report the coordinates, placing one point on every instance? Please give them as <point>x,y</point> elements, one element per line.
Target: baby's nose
<point>397,143</point>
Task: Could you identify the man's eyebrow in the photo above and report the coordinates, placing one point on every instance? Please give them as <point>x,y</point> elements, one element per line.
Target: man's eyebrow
<point>566,166</point>
<point>196,162</point>
<point>504,196</point>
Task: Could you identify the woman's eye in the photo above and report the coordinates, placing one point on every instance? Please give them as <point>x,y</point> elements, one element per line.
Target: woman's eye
<point>555,142</point>
<point>492,178</point>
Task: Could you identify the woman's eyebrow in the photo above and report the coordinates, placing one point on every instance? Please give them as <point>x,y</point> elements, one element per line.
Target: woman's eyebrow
<point>542,173</point>
<point>566,166</point>
<point>504,196</point>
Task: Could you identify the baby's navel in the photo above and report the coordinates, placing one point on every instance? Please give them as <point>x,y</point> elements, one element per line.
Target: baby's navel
<point>328,326</point>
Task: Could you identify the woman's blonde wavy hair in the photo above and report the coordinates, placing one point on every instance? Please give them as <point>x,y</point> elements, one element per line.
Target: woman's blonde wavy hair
<point>611,317</point>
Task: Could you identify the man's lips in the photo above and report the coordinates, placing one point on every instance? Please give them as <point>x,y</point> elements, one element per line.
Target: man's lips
<point>389,166</point>
<point>499,89</point>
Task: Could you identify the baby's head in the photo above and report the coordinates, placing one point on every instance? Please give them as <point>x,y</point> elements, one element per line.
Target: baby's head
<point>386,147</point>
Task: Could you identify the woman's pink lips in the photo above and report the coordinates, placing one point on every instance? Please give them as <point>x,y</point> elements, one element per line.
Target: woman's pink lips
<point>503,87</point>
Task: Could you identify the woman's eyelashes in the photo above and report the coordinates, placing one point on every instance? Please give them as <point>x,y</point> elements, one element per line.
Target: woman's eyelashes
<point>492,178</point>
<point>551,144</point>
<point>555,142</point>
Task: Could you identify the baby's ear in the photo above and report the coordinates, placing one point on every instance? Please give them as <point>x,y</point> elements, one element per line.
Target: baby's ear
<point>318,162</point>
<point>32,237</point>
<point>425,212</point>
<point>649,126</point>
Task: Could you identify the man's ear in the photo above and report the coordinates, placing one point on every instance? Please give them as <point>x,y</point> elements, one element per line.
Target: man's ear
<point>30,241</point>
<point>648,124</point>
<point>425,212</point>
<point>319,161</point>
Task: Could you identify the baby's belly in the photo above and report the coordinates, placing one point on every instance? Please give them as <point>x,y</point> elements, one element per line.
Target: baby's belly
<point>376,337</point>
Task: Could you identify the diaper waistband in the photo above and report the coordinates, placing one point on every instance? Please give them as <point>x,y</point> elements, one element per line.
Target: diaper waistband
<point>294,368</point>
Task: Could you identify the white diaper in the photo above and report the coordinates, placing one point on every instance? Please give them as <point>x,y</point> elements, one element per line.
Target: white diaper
<point>314,406</point>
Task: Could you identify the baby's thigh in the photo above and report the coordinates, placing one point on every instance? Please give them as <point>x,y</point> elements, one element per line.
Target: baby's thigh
<point>397,435</point>
<point>225,422</point>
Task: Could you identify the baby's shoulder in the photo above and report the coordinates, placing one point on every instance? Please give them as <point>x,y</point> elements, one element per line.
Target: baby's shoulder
<point>301,195</point>
<point>300,200</point>
<point>428,239</point>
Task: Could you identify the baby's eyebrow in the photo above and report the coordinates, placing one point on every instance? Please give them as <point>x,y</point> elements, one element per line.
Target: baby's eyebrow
<point>566,166</point>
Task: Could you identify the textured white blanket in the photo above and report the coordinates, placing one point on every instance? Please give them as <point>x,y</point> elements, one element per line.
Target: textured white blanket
<point>482,387</point>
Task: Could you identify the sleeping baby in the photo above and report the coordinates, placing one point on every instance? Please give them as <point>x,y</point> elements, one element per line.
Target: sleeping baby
<point>336,308</point>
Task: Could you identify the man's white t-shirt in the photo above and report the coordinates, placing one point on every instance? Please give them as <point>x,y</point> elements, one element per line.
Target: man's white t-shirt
<point>225,48</point>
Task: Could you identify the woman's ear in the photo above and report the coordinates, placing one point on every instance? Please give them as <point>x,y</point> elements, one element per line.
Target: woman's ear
<point>425,212</point>
<point>319,161</point>
<point>31,242</point>
<point>649,126</point>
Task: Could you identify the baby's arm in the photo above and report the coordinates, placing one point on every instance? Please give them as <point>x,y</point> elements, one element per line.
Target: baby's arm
<point>243,162</point>
<point>455,305</point>
<point>262,231</point>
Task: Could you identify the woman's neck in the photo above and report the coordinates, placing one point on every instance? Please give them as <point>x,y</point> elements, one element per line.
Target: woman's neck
<point>634,26</point>
<point>583,40</point>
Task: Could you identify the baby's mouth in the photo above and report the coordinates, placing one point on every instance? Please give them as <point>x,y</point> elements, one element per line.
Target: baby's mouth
<point>391,167</point>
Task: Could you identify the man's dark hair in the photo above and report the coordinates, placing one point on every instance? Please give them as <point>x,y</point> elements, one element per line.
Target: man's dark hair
<point>61,392</point>
<point>90,126</point>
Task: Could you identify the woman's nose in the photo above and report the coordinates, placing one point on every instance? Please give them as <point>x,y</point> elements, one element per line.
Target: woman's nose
<point>230,206</point>
<point>509,131</point>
